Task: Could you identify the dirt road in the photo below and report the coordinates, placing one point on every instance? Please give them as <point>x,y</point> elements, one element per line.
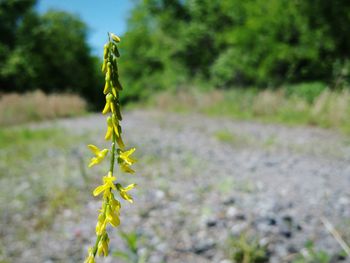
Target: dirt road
<point>205,182</point>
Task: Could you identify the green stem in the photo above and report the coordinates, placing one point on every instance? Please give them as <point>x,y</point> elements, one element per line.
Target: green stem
<point>96,244</point>
<point>111,168</point>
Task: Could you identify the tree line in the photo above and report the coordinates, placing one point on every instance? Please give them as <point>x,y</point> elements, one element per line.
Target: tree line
<point>47,52</point>
<point>234,43</point>
<point>177,43</point>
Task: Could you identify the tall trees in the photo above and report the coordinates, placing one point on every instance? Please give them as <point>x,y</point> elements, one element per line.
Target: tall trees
<point>47,52</point>
<point>235,43</point>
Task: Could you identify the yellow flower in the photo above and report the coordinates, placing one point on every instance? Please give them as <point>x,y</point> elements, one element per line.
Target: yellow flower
<point>90,258</point>
<point>125,160</point>
<point>115,204</point>
<point>109,214</point>
<point>109,131</point>
<point>100,154</point>
<point>112,216</point>
<point>120,142</point>
<point>105,51</point>
<point>123,192</point>
<point>102,247</point>
<point>101,224</point>
<point>125,156</point>
<point>107,87</point>
<point>112,211</point>
<point>107,184</point>
<point>115,38</point>
<point>112,125</point>
<point>109,104</point>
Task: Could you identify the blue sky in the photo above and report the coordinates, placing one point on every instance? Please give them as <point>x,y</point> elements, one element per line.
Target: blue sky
<point>101,16</point>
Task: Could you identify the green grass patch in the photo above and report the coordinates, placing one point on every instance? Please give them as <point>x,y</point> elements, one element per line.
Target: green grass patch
<point>225,136</point>
<point>10,137</point>
<point>246,249</point>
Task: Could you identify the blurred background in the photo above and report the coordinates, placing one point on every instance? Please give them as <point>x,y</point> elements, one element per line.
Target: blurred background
<point>239,111</point>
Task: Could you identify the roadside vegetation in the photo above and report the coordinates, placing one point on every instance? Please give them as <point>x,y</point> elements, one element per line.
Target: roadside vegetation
<point>36,106</point>
<point>306,104</point>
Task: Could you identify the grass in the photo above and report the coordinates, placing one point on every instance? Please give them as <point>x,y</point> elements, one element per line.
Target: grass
<point>11,136</point>
<point>34,106</point>
<point>305,104</point>
<point>311,255</point>
<point>133,252</point>
<point>246,249</point>
<point>225,136</point>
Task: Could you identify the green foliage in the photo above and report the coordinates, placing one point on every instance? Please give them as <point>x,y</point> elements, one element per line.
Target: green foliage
<point>306,91</point>
<point>312,255</point>
<point>47,52</point>
<point>235,43</point>
<point>246,250</point>
<point>341,73</point>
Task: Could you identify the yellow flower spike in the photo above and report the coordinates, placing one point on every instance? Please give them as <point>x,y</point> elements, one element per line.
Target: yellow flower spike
<point>109,104</point>
<point>115,38</point>
<point>123,192</point>
<point>90,258</point>
<point>110,209</point>
<point>107,184</point>
<point>100,155</point>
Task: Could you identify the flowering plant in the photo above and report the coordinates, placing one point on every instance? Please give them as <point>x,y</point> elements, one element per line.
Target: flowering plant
<point>109,212</point>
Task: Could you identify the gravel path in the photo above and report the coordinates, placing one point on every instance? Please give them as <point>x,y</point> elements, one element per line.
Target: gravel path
<point>203,182</point>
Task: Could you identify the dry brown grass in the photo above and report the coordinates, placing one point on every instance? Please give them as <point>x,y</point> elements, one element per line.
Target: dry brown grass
<point>192,99</point>
<point>268,102</point>
<point>33,106</point>
<point>330,109</point>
